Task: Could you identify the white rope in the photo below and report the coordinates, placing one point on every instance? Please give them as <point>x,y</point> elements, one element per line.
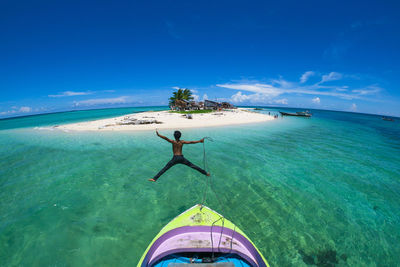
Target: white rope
<point>221,217</point>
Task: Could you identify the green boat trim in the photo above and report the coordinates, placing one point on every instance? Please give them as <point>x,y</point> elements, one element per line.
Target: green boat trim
<point>205,219</point>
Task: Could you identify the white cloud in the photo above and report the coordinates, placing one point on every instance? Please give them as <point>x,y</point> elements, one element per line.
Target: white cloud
<point>266,93</point>
<point>316,100</point>
<point>16,110</point>
<point>282,101</point>
<point>353,107</point>
<point>191,90</point>
<point>370,90</point>
<point>306,75</point>
<point>25,109</point>
<point>196,98</point>
<point>333,76</point>
<point>265,89</point>
<point>239,97</point>
<point>40,109</point>
<point>102,101</point>
<point>70,93</point>
<point>282,83</point>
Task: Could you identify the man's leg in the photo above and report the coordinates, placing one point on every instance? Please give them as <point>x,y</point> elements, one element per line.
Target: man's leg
<point>171,163</point>
<point>197,168</point>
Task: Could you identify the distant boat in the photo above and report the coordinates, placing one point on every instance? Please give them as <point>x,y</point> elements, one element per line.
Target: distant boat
<point>297,114</point>
<point>387,119</point>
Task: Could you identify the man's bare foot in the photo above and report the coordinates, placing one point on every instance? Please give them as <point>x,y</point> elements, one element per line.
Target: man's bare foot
<point>152,180</point>
<point>208,174</point>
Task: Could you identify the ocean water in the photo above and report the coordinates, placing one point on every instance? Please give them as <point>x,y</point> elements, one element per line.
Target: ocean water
<point>323,191</point>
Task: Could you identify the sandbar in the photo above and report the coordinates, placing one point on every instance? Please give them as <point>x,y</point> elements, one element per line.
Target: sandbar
<point>151,120</point>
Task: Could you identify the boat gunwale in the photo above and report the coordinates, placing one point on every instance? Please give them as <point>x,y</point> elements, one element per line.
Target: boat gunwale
<point>174,224</point>
<point>248,245</point>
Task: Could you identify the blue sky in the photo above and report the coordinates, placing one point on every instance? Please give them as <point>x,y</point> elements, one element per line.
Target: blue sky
<point>65,55</point>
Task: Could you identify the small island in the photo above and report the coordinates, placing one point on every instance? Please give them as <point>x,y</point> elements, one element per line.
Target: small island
<point>183,113</point>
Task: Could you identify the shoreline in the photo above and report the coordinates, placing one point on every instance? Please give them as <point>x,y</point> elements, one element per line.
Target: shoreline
<point>151,120</point>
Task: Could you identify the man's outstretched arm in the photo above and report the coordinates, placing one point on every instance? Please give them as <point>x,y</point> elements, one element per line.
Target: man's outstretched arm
<point>163,137</point>
<point>193,142</point>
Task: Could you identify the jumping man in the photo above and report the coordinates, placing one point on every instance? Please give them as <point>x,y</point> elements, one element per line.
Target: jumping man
<point>178,158</point>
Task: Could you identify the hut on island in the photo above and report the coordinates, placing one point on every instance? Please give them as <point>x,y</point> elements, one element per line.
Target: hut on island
<point>208,104</point>
<point>227,105</point>
<point>181,104</point>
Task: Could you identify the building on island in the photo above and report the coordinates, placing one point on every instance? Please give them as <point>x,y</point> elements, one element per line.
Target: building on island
<point>208,104</point>
<point>182,104</point>
<point>227,105</point>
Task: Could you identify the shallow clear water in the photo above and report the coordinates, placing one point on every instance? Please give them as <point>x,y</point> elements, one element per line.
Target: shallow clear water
<point>320,190</point>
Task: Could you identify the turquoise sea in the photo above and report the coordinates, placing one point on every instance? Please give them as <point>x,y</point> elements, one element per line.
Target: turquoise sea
<point>323,191</point>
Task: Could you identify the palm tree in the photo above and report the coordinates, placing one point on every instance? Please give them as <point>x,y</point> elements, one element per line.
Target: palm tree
<point>180,94</point>
<point>187,94</point>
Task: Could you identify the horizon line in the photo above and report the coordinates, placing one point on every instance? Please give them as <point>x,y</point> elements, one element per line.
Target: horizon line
<point>91,109</point>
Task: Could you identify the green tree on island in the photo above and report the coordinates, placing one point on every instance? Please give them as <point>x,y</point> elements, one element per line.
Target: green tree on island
<point>180,94</point>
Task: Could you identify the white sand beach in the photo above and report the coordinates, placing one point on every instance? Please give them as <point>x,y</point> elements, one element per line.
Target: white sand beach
<point>167,120</point>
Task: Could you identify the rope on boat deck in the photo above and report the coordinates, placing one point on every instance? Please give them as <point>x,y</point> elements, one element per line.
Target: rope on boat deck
<point>209,185</point>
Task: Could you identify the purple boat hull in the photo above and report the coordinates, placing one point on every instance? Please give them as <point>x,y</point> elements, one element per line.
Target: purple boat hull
<point>197,231</point>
